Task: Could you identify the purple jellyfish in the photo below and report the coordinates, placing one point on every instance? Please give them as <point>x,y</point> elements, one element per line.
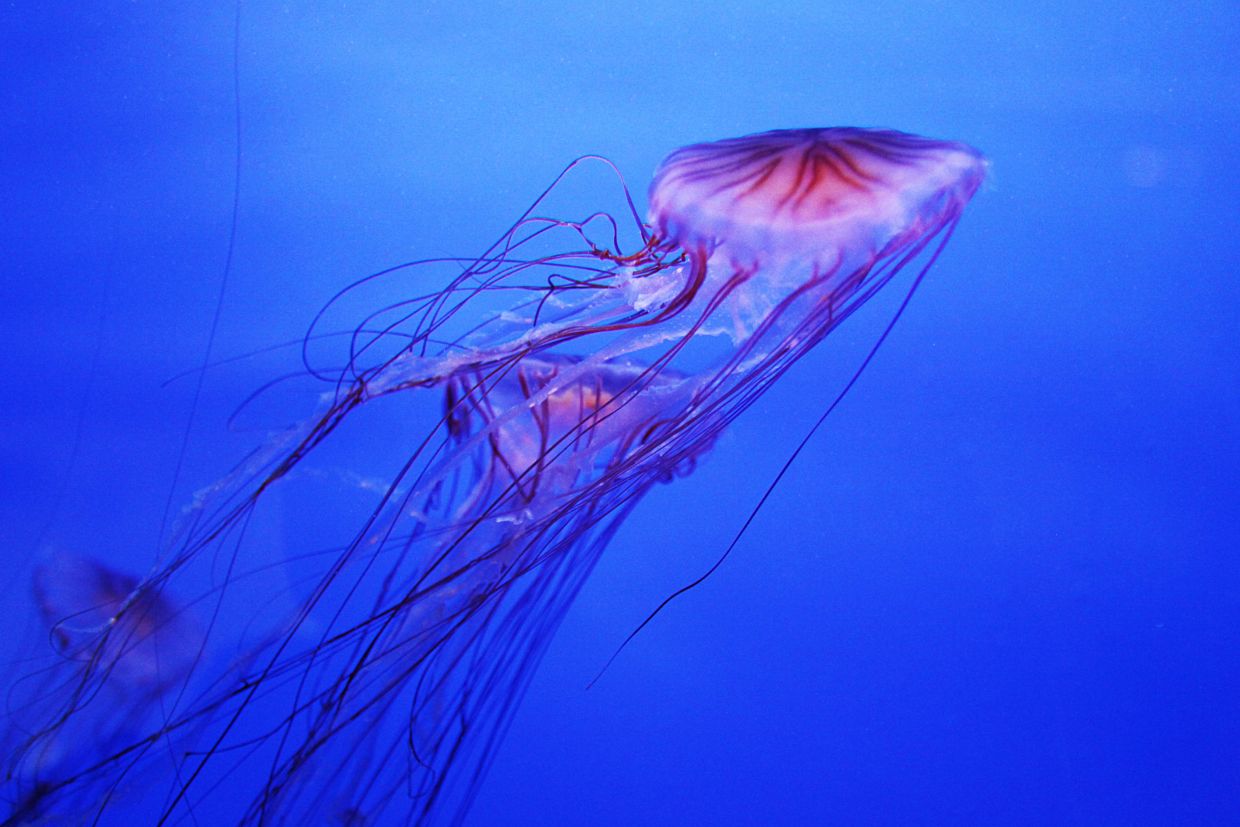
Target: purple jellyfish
<point>547,386</point>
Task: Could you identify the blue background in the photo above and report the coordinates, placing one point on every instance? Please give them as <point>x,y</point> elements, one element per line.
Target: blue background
<point>1000,587</point>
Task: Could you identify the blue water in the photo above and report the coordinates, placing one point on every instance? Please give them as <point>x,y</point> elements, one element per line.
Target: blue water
<point>1000,587</point>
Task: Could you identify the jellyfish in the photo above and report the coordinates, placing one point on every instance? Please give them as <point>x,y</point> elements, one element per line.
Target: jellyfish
<point>126,644</point>
<point>545,387</point>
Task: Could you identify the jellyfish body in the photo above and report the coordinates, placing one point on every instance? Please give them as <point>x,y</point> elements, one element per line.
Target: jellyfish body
<point>120,645</point>
<point>571,376</point>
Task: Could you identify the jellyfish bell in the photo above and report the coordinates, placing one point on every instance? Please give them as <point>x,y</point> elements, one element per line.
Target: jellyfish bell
<point>128,628</point>
<point>809,194</point>
<point>119,645</point>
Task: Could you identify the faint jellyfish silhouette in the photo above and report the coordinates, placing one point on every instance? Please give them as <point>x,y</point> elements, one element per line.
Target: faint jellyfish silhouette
<point>119,646</point>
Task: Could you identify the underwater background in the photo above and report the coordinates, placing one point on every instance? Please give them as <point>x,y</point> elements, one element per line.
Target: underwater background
<point>1001,585</point>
